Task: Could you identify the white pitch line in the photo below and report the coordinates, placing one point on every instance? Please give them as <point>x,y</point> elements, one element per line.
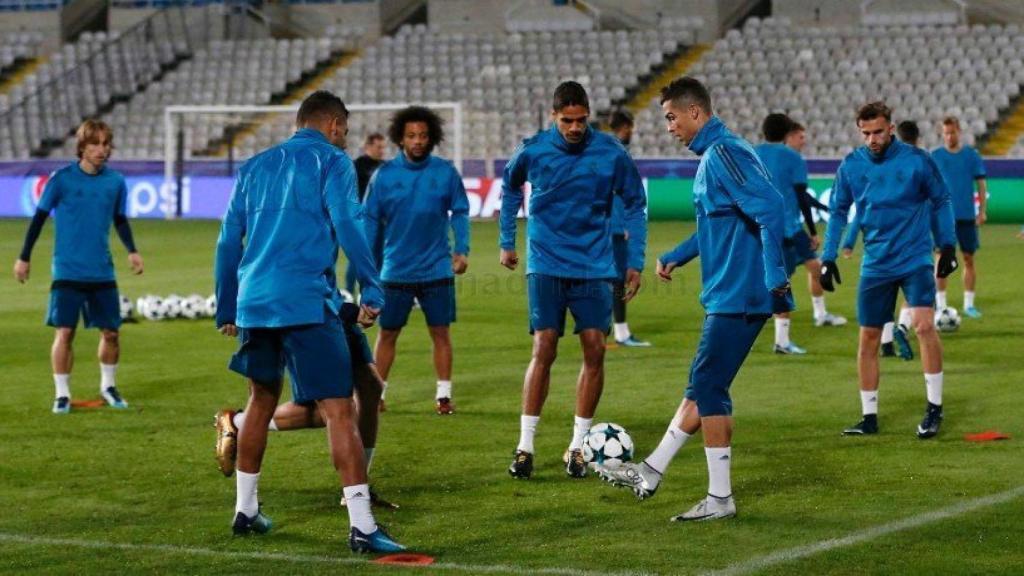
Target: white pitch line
<point>296,558</point>
<point>799,552</point>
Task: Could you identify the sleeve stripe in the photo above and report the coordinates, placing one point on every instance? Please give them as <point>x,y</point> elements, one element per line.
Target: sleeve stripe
<point>731,166</point>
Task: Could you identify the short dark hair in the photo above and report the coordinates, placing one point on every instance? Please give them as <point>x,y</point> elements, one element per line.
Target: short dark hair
<point>620,118</point>
<point>775,127</point>
<point>908,132</point>
<point>319,106</point>
<point>570,93</point>
<point>873,110</point>
<point>951,121</point>
<point>372,137</point>
<point>796,126</point>
<point>435,125</point>
<point>689,89</point>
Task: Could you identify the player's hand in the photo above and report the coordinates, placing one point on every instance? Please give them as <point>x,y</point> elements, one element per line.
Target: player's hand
<point>782,289</point>
<point>459,263</point>
<point>847,253</point>
<point>625,234</point>
<point>632,284</point>
<point>664,271</point>
<point>229,330</point>
<point>830,273</point>
<point>947,262</point>
<point>815,242</point>
<point>21,269</point>
<point>509,259</point>
<point>367,316</point>
<point>981,218</point>
<point>135,261</point>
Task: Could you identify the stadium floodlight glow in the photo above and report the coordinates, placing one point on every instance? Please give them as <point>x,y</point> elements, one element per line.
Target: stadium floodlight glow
<point>256,115</point>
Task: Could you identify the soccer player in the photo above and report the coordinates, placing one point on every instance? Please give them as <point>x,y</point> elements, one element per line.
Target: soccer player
<point>294,205</point>
<point>797,137</point>
<point>374,148</point>
<point>86,198</point>
<point>411,203</point>
<point>740,230</point>
<point>897,189</point>
<point>574,172</point>
<point>962,168</point>
<point>621,124</point>
<point>893,334</point>
<point>789,174</point>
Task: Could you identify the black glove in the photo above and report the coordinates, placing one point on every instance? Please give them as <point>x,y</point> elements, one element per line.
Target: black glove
<point>830,272</point>
<point>947,262</point>
<point>349,313</point>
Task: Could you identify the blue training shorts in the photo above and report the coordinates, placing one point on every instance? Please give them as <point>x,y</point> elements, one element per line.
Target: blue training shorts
<point>725,342</point>
<point>589,301</point>
<point>876,295</point>
<point>436,298</point>
<point>967,236</point>
<point>797,251</point>
<point>98,303</point>
<point>316,355</point>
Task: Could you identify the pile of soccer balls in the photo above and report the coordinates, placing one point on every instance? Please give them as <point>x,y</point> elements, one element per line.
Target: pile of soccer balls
<point>153,307</point>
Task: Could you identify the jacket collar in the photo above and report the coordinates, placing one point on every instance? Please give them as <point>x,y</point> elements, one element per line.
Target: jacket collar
<point>310,133</point>
<point>562,144</point>
<point>713,131</point>
<point>406,162</point>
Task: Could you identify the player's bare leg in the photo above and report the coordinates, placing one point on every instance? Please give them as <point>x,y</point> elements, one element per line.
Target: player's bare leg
<point>783,345</point>
<point>384,355</point>
<point>931,362</point>
<point>970,278</point>
<point>109,353</point>
<point>868,373</point>
<point>442,340</point>
<point>589,386</point>
<point>535,393</point>
<point>822,317</point>
<point>719,502</point>
<point>252,443</point>
<point>62,359</point>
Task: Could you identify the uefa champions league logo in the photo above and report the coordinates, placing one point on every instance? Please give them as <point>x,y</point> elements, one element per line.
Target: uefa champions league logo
<point>31,192</point>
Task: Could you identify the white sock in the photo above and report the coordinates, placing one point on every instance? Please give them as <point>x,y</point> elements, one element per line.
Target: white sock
<point>580,427</point>
<point>527,429</point>
<point>906,318</point>
<point>819,306</point>
<point>383,389</point>
<point>968,299</point>
<point>444,389</point>
<point>246,488</point>
<point>887,333</point>
<point>62,384</point>
<point>869,402</point>
<point>940,300</point>
<point>368,457</point>
<point>719,462</point>
<point>671,442</point>
<point>107,372</point>
<point>622,331</point>
<point>272,426</point>
<point>357,500</point>
<point>933,385</point>
<point>239,421</point>
<point>782,331</point>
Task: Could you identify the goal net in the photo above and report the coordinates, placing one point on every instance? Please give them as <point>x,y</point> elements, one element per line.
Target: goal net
<point>234,133</point>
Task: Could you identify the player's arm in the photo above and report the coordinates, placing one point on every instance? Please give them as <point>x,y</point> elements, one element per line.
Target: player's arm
<point>748,184</point>
<point>228,257</point>
<point>512,180</point>
<point>47,202</point>
<point>839,207</point>
<point>634,209</point>
<point>942,214</point>
<point>342,202</point>
<point>372,224</point>
<point>459,207</point>
<point>982,184</point>
<point>850,237</point>
<point>678,257</point>
<point>124,230</point>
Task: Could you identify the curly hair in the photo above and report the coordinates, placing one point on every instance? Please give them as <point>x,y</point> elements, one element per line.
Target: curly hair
<point>435,125</point>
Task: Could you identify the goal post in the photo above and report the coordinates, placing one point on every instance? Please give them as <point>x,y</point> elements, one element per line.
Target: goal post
<point>236,132</point>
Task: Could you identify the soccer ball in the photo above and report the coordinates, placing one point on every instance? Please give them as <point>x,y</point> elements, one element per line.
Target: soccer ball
<point>172,303</point>
<point>194,306</point>
<point>607,445</point>
<point>126,307</point>
<point>211,305</point>
<point>947,320</point>
<point>154,308</point>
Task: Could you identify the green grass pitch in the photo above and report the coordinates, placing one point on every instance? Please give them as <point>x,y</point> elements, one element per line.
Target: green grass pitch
<point>146,476</point>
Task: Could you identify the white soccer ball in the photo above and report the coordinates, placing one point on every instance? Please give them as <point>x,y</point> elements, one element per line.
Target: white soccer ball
<point>211,305</point>
<point>194,306</point>
<point>947,319</point>
<point>154,308</point>
<point>608,445</point>
<point>173,305</point>
<point>126,307</point>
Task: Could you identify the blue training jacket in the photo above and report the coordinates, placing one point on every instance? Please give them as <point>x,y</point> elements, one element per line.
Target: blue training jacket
<point>960,170</point>
<point>408,203</point>
<point>788,169</point>
<point>740,226</point>
<point>294,205</point>
<point>568,234</point>
<point>896,194</point>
